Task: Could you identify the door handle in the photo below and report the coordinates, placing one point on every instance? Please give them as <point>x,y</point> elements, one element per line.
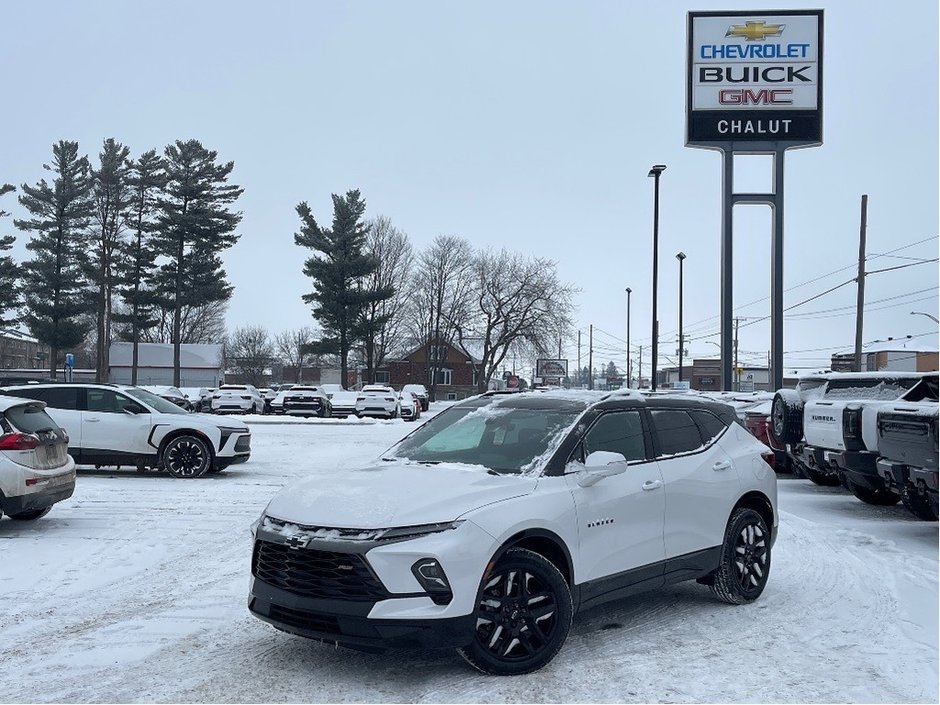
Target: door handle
<point>721,465</point>
<point>651,485</point>
<point>93,419</point>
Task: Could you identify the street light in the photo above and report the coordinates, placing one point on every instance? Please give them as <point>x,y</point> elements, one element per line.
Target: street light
<point>681,258</point>
<point>929,315</point>
<point>655,172</point>
<point>629,377</point>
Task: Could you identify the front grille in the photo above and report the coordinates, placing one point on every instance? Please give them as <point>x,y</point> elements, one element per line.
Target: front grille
<point>305,620</point>
<point>311,573</point>
<point>243,444</point>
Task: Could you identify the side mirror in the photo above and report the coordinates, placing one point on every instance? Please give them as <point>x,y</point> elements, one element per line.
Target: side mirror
<point>601,464</point>
<point>134,409</point>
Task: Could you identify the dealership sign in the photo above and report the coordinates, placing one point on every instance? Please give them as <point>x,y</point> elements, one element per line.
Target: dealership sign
<point>754,77</point>
<point>545,367</point>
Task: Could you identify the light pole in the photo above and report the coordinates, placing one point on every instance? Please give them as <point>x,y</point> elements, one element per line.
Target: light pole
<point>655,172</point>
<point>681,258</point>
<point>629,376</point>
<point>929,315</point>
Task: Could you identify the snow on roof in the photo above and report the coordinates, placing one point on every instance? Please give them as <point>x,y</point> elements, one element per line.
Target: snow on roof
<point>161,355</point>
<point>896,345</point>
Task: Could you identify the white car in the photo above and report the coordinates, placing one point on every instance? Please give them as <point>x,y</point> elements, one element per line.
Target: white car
<point>489,526</point>
<point>343,403</point>
<point>377,400</point>
<point>303,400</point>
<point>35,468</point>
<point>420,391</point>
<point>199,397</point>
<point>238,399</point>
<point>120,425</point>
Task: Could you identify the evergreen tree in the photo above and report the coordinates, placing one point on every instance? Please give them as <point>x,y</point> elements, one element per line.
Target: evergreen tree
<point>338,298</point>
<point>194,224</point>
<point>111,195</point>
<point>9,272</point>
<point>53,282</point>
<point>136,286</point>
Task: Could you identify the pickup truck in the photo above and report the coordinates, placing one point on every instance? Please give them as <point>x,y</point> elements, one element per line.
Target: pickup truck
<point>907,444</point>
<point>826,429</point>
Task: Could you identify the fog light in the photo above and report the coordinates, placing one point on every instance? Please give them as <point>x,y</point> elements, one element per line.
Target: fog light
<point>433,579</point>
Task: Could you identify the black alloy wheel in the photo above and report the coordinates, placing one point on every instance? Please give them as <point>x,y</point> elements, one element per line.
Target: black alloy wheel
<point>187,457</point>
<point>523,615</point>
<point>745,559</point>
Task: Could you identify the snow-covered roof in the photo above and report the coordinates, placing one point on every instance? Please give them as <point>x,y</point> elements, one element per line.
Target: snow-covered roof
<point>896,345</point>
<point>161,355</point>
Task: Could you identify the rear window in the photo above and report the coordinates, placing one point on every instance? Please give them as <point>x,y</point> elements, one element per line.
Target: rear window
<point>55,397</point>
<point>676,430</point>
<point>874,389</point>
<point>710,424</point>
<point>30,418</point>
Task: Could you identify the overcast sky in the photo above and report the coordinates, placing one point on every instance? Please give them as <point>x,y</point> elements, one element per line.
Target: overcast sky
<point>530,125</point>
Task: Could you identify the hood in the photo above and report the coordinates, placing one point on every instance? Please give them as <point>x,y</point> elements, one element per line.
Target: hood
<point>394,494</point>
<point>215,420</point>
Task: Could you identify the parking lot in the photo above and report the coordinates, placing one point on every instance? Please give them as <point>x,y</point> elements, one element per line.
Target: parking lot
<point>135,590</point>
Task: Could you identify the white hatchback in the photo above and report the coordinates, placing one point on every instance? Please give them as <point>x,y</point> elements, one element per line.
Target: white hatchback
<point>36,470</point>
<point>377,400</point>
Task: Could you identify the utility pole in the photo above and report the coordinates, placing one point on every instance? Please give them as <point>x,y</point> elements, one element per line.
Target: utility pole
<point>559,347</point>
<point>579,359</point>
<point>860,301</point>
<point>629,376</point>
<point>737,375</point>
<point>639,377</point>
<point>591,357</point>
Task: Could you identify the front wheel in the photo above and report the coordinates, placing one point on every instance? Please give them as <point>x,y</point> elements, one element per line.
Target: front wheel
<point>187,457</point>
<point>745,559</point>
<point>523,615</point>
<point>29,516</point>
<point>820,478</point>
<point>917,504</point>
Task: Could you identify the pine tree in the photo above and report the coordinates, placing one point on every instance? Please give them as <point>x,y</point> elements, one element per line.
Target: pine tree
<point>137,283</point>
<point>194,224</point>
<point>338,298</point>
<point>53,282</point>
<point>111,195</point>
<point>9,272</point>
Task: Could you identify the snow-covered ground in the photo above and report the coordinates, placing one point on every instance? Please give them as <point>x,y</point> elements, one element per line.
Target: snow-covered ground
<point>135,591</point>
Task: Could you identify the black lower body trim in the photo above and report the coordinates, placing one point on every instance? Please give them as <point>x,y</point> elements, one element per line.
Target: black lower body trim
<point>35,500</point>
<point>861,469</point>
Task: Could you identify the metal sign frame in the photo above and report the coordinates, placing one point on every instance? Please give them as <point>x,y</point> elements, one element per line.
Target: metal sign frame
<point>753,146</point>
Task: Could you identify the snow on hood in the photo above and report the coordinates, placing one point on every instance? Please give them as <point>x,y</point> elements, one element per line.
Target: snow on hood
<point>394,494</point>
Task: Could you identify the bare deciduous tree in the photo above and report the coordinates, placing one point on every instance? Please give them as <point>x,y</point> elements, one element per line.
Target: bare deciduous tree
<point>198,324</point>
<point>439,296</point>
<point>249,353</point>
<point>290,347</point>
<point>518,305</point>
<point>383,320</point>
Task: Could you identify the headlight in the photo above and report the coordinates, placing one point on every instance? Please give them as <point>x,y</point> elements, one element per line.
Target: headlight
<point>232,429</point>
<point>411,532</point>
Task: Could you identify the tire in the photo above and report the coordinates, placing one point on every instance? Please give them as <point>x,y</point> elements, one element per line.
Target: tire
<point>186,457</point>
<point>786,416</point>
<point>31,515</point>
<point>537,608</point>
<point>819,477</point>
<point>879,498</point>
<point>739,582</point>
<point>917,504</point>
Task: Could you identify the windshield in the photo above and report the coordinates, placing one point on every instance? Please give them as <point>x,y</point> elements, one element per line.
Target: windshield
<point>503,438</point>
<point>152,400</point>
<point>874,389</point>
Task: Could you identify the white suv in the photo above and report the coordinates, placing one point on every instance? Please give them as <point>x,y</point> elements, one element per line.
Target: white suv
<point>491,525</point>
<point>237,398</point>
<point>377,400</point>
<point>35,468</point>
<point>119,425</point>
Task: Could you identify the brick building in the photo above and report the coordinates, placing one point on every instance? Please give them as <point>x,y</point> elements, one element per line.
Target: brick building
<point>456,378</point>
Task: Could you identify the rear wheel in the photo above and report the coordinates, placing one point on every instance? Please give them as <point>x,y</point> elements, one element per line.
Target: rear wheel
<point>30,515</point>
<point>820,477</point>
<point>523,615</point>
<point>917,504</point>
<point>879,498</point>
<point>187,457</point>
<point>745,559</point>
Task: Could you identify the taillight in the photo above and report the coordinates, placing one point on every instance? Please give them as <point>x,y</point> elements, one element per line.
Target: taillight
<point>389,398</point>
<point>18,441</point>
<point>770,458</point>
<point>247,398</point>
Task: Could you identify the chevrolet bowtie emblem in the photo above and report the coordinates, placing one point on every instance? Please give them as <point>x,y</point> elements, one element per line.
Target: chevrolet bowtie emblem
<point>297,541</point>
<point>753,31</point>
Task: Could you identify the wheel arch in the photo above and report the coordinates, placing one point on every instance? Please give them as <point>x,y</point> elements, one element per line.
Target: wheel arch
<point>760,503</point>
<point>176,433</point>
<point>547,544</point>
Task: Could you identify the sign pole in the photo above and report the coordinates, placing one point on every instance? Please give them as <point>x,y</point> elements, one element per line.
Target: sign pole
<point>776,275</point>
<point>727,264</point>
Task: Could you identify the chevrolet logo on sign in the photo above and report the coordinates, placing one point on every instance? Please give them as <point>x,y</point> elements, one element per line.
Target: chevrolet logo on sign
<point>757,30</point>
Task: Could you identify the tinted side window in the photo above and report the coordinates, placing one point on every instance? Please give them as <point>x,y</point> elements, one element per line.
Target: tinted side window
<point>57,397</point>
<point>710,425</point>
<point>618,432</point>
<point>105,400</point>
<point>39,394</point>
<point>676,431</point>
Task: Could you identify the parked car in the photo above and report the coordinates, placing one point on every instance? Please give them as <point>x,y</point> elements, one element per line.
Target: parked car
<point>303,400</point>
<point>377,400</point>
<point>797,411</point>
<point>419,391</point>
<point>36,470</point>
<point>267,395</point>
<point>237,398</point>
<point>343,403</point>
<point>199,397</point>
<point>120,425</point>
<point>172,394</point>
<point>907,445</point>
<point>490,525</point>
<point>409,405</point>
